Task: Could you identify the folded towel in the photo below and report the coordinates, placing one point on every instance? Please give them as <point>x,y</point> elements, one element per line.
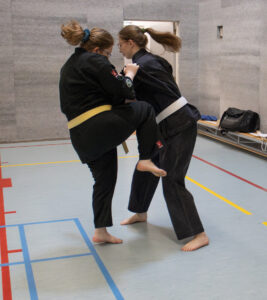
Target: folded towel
<point>208,118</point>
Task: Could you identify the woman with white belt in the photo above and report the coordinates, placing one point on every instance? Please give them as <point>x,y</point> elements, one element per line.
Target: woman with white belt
<point>154,83</point>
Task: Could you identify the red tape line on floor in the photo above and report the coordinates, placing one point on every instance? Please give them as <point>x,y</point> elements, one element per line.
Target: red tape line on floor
<point>6,284</point>
<point>230,173</point>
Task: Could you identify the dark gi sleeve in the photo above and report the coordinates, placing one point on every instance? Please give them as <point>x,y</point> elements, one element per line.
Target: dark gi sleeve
<point>156,79</point>
<point>119,87</point>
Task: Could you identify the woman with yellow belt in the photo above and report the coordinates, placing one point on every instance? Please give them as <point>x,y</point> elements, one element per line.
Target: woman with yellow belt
<point>92,96</point>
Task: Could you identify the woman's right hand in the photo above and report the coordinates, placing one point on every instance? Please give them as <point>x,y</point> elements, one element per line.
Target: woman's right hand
<point>130,70</point>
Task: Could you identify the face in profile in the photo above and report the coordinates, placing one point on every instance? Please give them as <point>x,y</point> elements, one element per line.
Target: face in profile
<point>125,48</point>
<point>106,52</point>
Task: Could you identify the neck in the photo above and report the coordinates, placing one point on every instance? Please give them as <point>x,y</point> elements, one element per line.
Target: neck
<point>135,50</point>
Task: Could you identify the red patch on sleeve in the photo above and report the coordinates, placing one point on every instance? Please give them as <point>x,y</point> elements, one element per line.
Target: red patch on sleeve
<point>114,73</point>
<point>159,144</point>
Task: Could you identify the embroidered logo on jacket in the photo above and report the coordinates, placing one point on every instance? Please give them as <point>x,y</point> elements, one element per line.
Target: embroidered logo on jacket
<point>128,82</point>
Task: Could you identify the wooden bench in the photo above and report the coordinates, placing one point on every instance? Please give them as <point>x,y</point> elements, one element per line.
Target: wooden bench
<point>246,141</point>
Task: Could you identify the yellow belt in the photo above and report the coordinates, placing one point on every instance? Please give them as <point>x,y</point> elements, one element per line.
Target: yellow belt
<point>87,115</point>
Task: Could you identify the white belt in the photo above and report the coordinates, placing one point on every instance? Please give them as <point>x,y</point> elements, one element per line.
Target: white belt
<point>171,109</point>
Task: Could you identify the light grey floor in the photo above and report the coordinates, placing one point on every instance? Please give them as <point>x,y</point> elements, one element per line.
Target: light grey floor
<point>51,194</point>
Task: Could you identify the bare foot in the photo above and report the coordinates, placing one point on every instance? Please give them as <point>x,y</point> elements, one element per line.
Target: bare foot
<point>102,236</point>
<point>142,217</point>
<point>200,240</point>
<point>146,165</point>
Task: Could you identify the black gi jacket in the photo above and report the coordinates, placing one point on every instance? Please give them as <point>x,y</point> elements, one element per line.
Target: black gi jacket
<point>88,80</point>
<point>154,83</point>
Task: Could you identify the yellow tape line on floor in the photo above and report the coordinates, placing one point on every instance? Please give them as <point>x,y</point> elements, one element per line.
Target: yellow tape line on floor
<point>219,196</point>
<point>134,156</point>
<point>54,162</point>
<point>42,163</point>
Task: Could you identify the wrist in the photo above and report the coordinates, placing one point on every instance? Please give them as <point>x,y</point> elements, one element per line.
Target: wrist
<point>130,75</point>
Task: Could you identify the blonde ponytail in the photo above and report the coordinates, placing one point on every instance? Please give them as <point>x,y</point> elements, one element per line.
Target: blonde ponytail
<point>74,34</point>
<point>168,40</point>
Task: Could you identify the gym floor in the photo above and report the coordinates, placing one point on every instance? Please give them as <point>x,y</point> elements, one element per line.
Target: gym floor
<point>46,226</point>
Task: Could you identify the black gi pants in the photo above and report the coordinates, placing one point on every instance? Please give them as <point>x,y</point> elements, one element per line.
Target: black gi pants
<point>117,126</point>
<point>104,171</point>
<point>175,159</point>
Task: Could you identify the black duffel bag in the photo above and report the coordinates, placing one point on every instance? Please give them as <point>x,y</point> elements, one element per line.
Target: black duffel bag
<point>234,119</point>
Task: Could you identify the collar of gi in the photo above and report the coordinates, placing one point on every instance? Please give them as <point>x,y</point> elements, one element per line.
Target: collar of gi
<point>80,50</point>
<point>139,53</point>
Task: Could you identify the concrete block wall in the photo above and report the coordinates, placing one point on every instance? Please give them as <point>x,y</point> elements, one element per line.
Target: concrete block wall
<point>7,93</point>
<point>232,70</point>
<point>213,73</point>
<point>209,57</point>
<point>263,69</point>
<point>32,53</point>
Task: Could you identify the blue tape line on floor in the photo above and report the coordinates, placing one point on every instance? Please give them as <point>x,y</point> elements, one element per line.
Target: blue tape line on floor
<point>28,267</point>
<point>101,265</point>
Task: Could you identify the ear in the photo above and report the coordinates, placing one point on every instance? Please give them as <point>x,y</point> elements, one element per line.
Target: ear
<point>131,43</point>
<point>96,50</point>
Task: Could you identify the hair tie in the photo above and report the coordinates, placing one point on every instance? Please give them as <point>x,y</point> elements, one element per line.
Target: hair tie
<point>143,30</point>
<point>86,35</point>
